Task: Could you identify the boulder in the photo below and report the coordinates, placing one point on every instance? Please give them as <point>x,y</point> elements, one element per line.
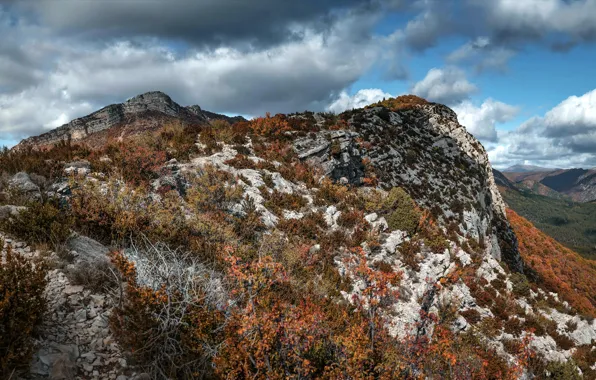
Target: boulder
<point>80,167</point>
<point>22,183</point>
<point>10,210</point>
<point>88,250</point>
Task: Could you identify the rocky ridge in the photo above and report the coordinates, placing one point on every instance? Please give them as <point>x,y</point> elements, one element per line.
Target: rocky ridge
<point>423,150</point>
<point>148,105</point>
<point>427,152</point>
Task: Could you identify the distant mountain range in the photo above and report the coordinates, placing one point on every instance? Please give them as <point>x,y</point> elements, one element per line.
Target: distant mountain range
<point>578,185</point>
<point>560,202</point>
<point>526,168</point>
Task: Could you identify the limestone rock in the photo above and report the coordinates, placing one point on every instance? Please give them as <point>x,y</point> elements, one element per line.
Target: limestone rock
<point>88,250</point>
<point>150,103</point>
<point>8,211</point>
<point>21,182</point>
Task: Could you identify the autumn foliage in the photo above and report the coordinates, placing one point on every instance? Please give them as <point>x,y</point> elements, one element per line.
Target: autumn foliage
<point>400,103</point>
<point>559,269</point>
<point>22,304</point>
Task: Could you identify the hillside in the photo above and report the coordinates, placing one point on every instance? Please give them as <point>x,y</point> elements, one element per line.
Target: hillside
<point>560,269</point>
<point>570,223</point>
<point>369,244</point>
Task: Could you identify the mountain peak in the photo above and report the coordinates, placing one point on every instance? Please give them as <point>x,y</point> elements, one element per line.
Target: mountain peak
<point>140,113</point>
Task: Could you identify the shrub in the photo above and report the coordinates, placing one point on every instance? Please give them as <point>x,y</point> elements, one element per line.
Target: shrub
<point>398,207</point>
<point>349,219</point>
<point>585,357</point>
<point>240,161</point>
<point>98,277</point>
<point>402,102</point>
<point>409,251</point>
<point>563,371</point>
<point>40,223</point>
<point>249,225</point>
<point>168,319</point>
<point>513,326</point>
<point>491,327</point>
<point>213,190</point>
<point>520,283</point>
<point>472,316</point>
<point>330,193</point>
<point>22,304</point>
<point>278,201</point>
<point>308,227</point>
<point>138,164</point>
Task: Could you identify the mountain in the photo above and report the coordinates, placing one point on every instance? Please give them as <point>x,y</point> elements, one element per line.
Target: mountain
<point>374,243</point>
<point>576,184</point>
<point>525,169</point>
<point>137,115</point>
<point>502,181</point>
<point>570,223</point>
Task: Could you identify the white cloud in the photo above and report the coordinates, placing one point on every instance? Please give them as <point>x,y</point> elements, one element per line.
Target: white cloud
<point>564,137</point>
<point>575,115</point>
<point>448,86</point>
<point>482,121</point>
<point>358,100</point>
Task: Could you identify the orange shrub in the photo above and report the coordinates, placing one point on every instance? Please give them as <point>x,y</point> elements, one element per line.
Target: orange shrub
<point>559,269</point>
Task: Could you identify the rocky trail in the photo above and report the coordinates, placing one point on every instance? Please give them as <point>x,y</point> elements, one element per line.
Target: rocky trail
<point>74,341</point>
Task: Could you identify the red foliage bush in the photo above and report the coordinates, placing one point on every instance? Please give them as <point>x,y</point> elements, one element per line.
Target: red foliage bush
<point>560,269</point>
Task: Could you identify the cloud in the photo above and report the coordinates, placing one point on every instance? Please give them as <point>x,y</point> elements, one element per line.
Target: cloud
<point>482,54</point>
<point>258,23</point>
<point>575,116</point>
<point>497,30</point>
<point>564,137</point>
<point>536,19</point>
<point>358,100</point>
<point>423,31</point>
<point>482,121</point>
<point>448,86</point>
<point>77,77</point>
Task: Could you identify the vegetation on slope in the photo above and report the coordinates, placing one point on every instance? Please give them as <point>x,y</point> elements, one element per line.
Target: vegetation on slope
<point>232,299</point>
<point>559,269</point>
<point>570,223</point>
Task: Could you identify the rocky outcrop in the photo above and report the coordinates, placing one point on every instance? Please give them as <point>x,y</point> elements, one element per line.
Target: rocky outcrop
<point>9,211</point>
<point>427,152</point>
<point>117,114</point>
<point>22,184</point>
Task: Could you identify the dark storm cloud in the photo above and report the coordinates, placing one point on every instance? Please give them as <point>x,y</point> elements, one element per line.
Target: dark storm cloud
<point>260,23</point>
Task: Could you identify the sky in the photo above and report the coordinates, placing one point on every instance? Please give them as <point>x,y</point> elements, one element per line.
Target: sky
<point>520,74</point>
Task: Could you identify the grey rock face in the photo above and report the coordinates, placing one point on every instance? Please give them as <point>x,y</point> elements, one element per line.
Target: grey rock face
<point>428,153</point>
<point>21,182</point>
<point>10,211</point>
<point>115,114</point>
<point>88,250</point>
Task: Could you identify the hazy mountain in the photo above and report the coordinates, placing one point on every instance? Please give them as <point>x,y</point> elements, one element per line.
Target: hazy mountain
<point>520,168</point>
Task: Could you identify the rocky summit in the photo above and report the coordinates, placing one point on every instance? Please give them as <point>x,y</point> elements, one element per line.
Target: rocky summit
<point>147,106</point>
<point>167,242</point>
